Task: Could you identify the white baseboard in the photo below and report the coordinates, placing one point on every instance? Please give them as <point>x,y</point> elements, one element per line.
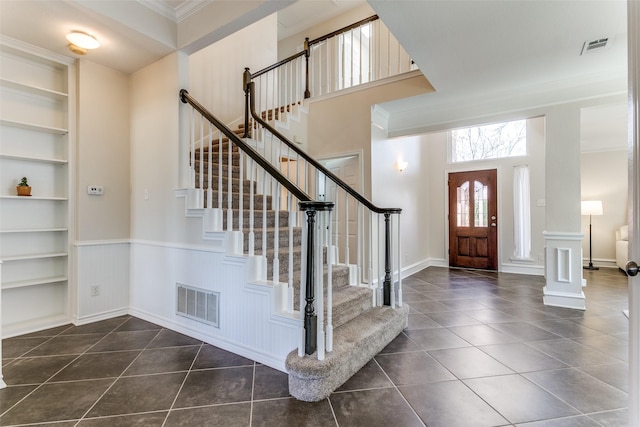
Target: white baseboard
<point>224,343</point>
<point>532,270</point>
<point>83,320</point>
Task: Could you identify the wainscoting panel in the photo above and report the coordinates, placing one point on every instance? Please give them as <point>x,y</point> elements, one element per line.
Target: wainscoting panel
<point>102,271</point>
<point>247,325</point>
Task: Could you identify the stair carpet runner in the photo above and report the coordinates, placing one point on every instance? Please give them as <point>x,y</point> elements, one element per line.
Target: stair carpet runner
<point>360,330</point>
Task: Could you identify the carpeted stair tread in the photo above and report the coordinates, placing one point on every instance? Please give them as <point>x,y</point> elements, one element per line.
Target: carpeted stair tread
<point>349,302</point>
<point>354,344</point>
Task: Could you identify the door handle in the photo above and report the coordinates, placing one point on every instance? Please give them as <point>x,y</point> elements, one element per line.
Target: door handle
<point>631,268</point>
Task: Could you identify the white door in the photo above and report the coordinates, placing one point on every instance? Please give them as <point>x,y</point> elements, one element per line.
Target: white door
<point>347,169</point>
<point>633,36</point>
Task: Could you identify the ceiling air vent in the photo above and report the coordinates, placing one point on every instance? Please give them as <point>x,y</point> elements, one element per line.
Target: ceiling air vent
<point>592,45</point>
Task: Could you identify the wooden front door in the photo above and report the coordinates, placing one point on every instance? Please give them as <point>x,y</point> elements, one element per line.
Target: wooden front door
<point>473,219</point>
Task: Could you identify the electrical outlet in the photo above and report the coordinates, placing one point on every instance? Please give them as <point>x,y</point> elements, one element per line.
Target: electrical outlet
<point>95,190</point>
<point>95,290</point>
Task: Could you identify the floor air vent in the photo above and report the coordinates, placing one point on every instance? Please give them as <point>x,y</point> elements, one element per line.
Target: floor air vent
<point>198,304</point>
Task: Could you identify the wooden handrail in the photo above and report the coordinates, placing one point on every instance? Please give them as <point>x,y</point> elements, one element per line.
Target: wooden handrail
<point>278,64</point>
<point>344,29</point>
<point>271,170</point>
<point>340,183</point>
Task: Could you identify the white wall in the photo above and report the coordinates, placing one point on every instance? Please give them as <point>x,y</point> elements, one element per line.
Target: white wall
<point>604,177</point>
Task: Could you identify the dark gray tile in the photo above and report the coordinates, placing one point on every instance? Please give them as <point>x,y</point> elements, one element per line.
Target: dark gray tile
<point>469,362</point>
<point>572,353</point>
<point>578,421</point>
<point>614,324</point>
<point>34,370</point>
<point>155,361</point>
<point>482,335</point>
<point>56,402</point>
<point>580,390</point>
<point>269,383</point>
<point>135,324</point>
<point>409,296</point>
<point>9,396</point>
<point>619,418</point>
<point>613,346</point>
<point>126,340</point>
<point>214,357</point>
<point>153,419</point>
<point>169,338</point>
<point>522,358</point>
<point>489,315</point>
<point>566,328</point>
<point>370,376</point>
<point>237,414</point>
<point>101,327</point>
<point>452,318</point>
<point>450,403</point>
<point>519,400</point>
<point>380,407</point>
<point>65,344</point>
<point>216,386</point>
<point>412,368</point>
<point>464,304</point>
<point>421,321</point>
<point>97,365</point>
<point>16,347</point>
<point>51,332</point>
<point>292,412</point>
<point>524,331</point>
<point>435,339</point>
<point>616,374</point>
<point>400,344</point>
<point>426,307</point>
<point>139,394</point>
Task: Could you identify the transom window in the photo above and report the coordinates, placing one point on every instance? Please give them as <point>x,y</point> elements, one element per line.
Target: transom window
<point>507,139</point>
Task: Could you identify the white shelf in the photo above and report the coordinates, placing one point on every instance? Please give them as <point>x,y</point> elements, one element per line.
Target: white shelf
<point>34,230</point>
<point>34,159</point>
<point>32,126</point>
<point>35,197</point>
<point>33,282</point>
<point>33,90</point>
<point>34,256</point>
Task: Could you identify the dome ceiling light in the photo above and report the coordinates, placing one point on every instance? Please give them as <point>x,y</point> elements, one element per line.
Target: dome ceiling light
<point>80,42</point>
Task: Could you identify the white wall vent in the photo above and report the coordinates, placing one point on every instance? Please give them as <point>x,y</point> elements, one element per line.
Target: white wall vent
<point>592,45</point>
<point>198,304</point>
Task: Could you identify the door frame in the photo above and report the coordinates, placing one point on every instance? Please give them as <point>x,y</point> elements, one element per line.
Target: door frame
<point>468,168</point>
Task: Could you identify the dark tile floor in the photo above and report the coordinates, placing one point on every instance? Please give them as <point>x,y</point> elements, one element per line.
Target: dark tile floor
<point>480,350</point>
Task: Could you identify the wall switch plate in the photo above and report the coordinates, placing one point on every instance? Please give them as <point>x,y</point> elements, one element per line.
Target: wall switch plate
<point>95,190</point>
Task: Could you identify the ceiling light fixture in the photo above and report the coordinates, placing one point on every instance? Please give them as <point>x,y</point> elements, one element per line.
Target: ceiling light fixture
<point>80,42</point>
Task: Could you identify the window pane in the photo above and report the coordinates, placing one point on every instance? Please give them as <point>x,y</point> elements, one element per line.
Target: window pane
<point>463,205</point>
<point>480,204</point>
<point>489,142</point>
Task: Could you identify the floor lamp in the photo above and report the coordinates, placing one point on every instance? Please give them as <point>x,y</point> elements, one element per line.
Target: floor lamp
<point>591,207</point>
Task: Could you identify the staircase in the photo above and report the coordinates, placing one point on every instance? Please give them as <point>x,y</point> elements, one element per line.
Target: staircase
<point>359,329</point>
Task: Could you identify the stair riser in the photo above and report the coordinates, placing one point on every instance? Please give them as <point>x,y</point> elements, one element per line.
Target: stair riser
<point>283,219</point>
<point>215,159</point>
<point>235,171</point>
<point>246,185</point>
<point>283,238</point>
<point>258,201</point>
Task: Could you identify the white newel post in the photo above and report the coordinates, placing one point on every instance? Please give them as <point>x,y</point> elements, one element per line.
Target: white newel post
<point>2,383</point>
<point>563,267</point>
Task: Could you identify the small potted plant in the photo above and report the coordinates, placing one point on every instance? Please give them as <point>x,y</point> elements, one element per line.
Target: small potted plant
<point>23,188</point>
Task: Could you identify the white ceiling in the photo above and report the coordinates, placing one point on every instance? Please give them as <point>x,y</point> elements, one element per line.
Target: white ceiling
<point>466,48</point>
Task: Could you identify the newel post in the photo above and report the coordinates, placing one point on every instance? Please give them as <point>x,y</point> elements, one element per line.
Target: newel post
<point>246,79</point>
<point>310,317</point>
<point>307,53</point>
<point>386,290</point>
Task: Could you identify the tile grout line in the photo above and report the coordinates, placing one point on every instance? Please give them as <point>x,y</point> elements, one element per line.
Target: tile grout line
<point>184,380</point>
<point>119,376</point>
<point>57,372</point>
<point>253,388</point>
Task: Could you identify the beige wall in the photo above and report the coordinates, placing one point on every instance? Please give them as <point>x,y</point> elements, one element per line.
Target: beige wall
<point>342,124</point>
<point>102,153</point>
<point>215,76</point>
<point>604,177</point>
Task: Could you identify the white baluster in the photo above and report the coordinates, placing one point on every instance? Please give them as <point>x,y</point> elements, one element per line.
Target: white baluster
<point>303,288</point>
<point>290,273</point>
<point>252,235</point>
<point>329,293</point>
<point>209,168</point>
<point>276,234</point>
<point>399,265</point>
<point>319,270</point>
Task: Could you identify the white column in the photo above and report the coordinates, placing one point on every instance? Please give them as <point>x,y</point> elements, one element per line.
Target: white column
<point>563,237</point>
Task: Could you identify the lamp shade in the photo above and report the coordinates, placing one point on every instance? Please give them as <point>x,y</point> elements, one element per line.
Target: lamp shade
<point>591,207</point>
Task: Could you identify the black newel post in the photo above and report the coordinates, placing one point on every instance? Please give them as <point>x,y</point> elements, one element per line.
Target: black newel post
<point>246,79</point>
<point>310,318</point>
<point>386,290</point>
<point>307,52</point>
